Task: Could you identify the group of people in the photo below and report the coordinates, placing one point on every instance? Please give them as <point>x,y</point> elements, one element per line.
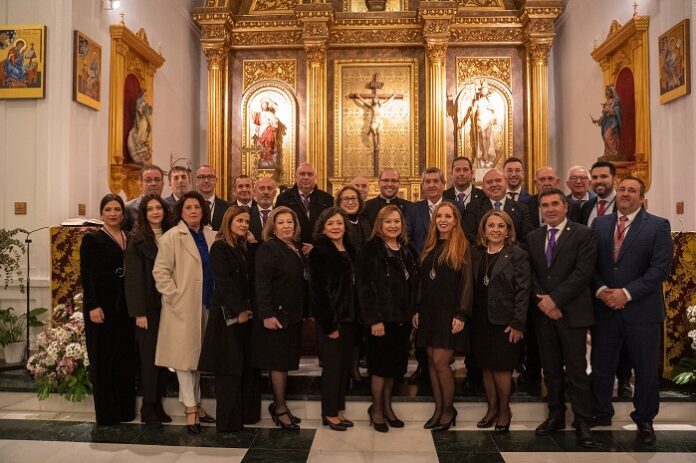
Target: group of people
<point>502,276</point>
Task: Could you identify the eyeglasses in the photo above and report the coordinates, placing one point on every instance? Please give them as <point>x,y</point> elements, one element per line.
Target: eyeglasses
<point>349,199</point>
<point>209,178</point>
<point>152,180</point>
<point>577,179</point>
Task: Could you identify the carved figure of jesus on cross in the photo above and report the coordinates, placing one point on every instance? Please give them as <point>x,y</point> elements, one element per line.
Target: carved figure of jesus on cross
<point>373,103</point>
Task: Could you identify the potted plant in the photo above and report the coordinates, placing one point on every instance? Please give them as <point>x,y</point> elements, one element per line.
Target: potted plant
<point>12,326</point>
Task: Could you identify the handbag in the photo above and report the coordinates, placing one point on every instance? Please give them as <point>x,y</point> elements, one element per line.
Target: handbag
<point>230,317</point>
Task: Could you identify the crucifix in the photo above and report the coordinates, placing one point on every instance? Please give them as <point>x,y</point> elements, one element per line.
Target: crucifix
<point>373,102</point>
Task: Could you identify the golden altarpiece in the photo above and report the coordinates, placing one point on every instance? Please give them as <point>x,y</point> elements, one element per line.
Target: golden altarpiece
<point>352,91</point>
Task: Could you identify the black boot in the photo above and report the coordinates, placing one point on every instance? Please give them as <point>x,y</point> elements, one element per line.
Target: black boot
<point>161,414</point>
<point>148,414</point>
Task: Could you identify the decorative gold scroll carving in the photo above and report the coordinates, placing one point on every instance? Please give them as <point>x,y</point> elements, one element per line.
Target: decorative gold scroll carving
<point>272,6</point>
<point>215,56</point>
<point>359,6</point>
<point>260,39</point>
<point>316,53</point>
<point>481,4</point>
<point>539,51</point>
<point>436,51</point>
<point>284,70</point>
<point>496,67</point>
<point>402,36</point>
<point>487,35</point>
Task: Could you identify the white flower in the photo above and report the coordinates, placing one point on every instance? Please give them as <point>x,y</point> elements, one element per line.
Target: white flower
<point>692,334</point>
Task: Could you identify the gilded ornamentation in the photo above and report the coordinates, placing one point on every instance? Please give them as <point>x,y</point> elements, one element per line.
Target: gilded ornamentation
<point>436,28</point>
<point>507,35</point>
<point>213,31</point>
<point>141,35</point>
<point>376,22</point>
<point>436,51</point>
<point>539,51</point>
<point>497,67</point>
<point>359,6</point>
<point>481,3</point>
<point>377,36</point>
<point>316,53</point>
<point>540,26</point>
<point>505,20</point>
<point>284,70</point>
<point>260,39</point>
<point>215,56</point>
<point>273,5</point>
<point>315,29</point>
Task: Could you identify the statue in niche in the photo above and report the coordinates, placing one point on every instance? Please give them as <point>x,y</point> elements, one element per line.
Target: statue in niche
<point>610,125</point>
<point>268,130</point>
<point>138,142</point>
<point>373,103</point>
<point>483,115</point>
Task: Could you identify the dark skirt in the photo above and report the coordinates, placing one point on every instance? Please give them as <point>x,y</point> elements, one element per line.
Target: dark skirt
<point>387,356</point>
<point>277,350</point>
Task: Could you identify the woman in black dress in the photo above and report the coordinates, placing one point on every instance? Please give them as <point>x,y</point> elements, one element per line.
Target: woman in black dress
<point>108,328</point>
<point>387,283</point>
<point>145,302</point>
<point>332,280</point>
<point>503,282</point>
<point>281,295</point>
<point>226,350</point>
<point>446,293</point>
<point>350,201</point>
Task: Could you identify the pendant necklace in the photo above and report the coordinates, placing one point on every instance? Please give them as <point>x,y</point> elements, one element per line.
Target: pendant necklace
<point>486,279</point>
<point>121,244</point>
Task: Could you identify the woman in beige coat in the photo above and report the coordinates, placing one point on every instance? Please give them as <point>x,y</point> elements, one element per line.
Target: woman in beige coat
<point>184,280</point>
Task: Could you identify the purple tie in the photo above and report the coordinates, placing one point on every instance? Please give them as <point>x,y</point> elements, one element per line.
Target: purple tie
<point>264,216</point>
<point>551,246</point>
<point>461,197</point>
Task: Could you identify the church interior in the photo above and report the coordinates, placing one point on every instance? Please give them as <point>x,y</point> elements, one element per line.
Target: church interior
<point>92,90</point>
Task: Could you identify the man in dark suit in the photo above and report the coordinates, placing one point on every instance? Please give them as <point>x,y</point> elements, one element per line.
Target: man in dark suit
<point>179,183</point>
<point>494,187</point>
<point>265,192</point>
<point>462,190</point>
<point>578,182</point>
<point>388,194</point>
<point>151,183</point>
<point>634,259</point>
<point>306,200</point>
<point>418,214</point>
<point>244,191</point>
<point>603,175</point>
<point>513,169</point>
<point>205,185</point>
<point>563,255</point>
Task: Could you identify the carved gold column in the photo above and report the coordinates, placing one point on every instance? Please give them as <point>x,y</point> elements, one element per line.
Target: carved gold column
<point>538,24</point>
<point>217,65</point>
<point>436,17</point>
<point>316,19</point>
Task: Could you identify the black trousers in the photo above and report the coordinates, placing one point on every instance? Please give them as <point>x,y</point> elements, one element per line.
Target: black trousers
<point>559,346</point>
<point>642,342</point>
<point>228,396</point>
<point>624,370</point>
<point>336,356</point>
<point>531,357</point>
<point>153,379</point>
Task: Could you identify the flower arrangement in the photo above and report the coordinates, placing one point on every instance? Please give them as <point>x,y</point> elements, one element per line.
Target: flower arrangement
<point>685,371</point>
<point>61,364</point>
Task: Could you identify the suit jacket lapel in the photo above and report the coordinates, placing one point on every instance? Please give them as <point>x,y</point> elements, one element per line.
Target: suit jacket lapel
<point>632,232</point>
<point>189,244</point>
<point>565,236</point>
<point>502,260</point>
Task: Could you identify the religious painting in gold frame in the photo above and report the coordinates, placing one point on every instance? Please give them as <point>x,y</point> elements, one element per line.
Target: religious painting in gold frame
<point>87,68</point>
<point>22,61</point>
<point>375,117</point>
<point>269,131</point>
<point>675,62</point>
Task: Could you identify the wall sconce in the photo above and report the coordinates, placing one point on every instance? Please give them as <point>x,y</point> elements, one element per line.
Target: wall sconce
<point>110,4</point>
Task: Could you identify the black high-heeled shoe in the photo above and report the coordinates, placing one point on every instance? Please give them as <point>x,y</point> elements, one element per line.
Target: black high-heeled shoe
<point>194,428</point>
<point>334,427</point>
<point>379,427</point>
<point>446,426</point>
<point>205,418</point>
<point>432,422</point>
<point>293,418</point>
<point>289,426</point>
<point>395,423</point>
<point>487,423</point>
<point>346,423</point>
<point>503,428</point>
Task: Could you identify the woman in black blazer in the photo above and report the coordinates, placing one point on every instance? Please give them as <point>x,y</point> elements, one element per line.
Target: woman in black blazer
<point>387,283</point>
<point>145,302</point>
<point>333,298</point>
<point>350,201</point>
<point>108,328</point>
<point>503,282</point>
<point>281,296</point>
<point>226,350</point>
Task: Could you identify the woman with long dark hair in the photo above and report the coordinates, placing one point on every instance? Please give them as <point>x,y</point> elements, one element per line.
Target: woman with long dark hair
<point>227,343</point>
<point>331,267</point>
<point>108,328</point>
<point>281,295</point>
<point>145,302</point>
<point>387,284</point>
<point>446,294</point>
<point>182,275</point>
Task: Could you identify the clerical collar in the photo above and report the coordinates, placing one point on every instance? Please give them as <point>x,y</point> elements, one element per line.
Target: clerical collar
<point>388,200</point>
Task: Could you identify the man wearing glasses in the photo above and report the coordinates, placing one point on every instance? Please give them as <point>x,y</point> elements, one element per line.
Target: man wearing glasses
<point>205,185</point>
<point>151,183</point>
<point>388,194</point>
<point>579,185</point>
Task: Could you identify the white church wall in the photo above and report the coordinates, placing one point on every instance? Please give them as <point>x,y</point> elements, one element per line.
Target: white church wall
<point>53,151</point>
<point>578,91</point>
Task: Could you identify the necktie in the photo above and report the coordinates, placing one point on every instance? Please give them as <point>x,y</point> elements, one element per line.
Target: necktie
<point>512,195</point>
<point>461,197</point>
<point>264,215</point>
<point>305,202</point>
<point>551,246</point>
<point>602,209</point>
<point>211,208</point>
<point>619,236</point>
<point>496,205</point>
<point>431,208</point>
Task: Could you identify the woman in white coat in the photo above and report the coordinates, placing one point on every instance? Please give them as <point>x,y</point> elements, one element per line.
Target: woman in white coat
<point>183,278</point>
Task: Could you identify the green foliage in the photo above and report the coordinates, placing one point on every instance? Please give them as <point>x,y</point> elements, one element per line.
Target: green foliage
<point>74,387</point>
<point>685,371</point>
<point>12,325</point>
<point>11,251</point>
